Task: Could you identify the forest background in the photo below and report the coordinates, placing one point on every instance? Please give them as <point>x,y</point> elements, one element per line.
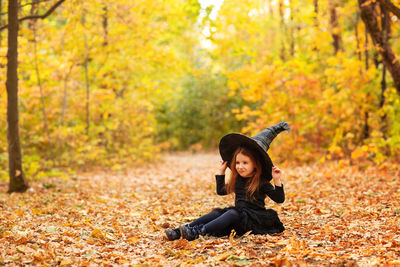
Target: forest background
<point>113,83</point>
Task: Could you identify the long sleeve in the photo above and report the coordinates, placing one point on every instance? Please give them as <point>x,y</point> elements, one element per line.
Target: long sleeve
<point>221,187</point>
<point>276,193</point>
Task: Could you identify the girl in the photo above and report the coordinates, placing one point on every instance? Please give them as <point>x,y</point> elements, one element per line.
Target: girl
<point>251,172</point>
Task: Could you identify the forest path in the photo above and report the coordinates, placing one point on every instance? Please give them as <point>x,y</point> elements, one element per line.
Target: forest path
<point>332,214</point>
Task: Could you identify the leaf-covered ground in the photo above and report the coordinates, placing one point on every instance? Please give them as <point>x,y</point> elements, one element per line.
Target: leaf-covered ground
<point>333,215</point>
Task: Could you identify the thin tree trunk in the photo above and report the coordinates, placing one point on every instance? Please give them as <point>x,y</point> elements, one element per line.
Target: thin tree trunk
<point>283,30</point>
<point>366,49</point>
<point>270,8</point>
<point>105,25</point>
<point>85,64</point>
<point>1,33</point>
<point>1,22</point>
<point>44,113</point>
<point>385,22</point>
<point>32,26</point>
<point>65,94</point>
<point>382,102</point>
<point>335,28</point>
<point>316,22</point>
<point>358,37</point>
<point>376,59</point>
<point>316,26</point>
<point>64,103</point>
<point>365,133</point>
<point>33,12</point>
<point>18,183</point>
<point>366,125</point>
<point>292,27</point>
<point>63,110</point>
<point>389,58</point>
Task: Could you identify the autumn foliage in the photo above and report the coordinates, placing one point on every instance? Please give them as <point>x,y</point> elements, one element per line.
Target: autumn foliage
<point>111,83</point>
<point>333,216</point>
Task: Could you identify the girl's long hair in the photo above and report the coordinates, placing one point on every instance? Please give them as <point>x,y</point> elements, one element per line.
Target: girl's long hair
<point>254,182</point>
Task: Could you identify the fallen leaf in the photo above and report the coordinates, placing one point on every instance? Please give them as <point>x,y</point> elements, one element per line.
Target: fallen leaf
<point>97,233</point>
<point>66,262</point>
<point>223,256</point>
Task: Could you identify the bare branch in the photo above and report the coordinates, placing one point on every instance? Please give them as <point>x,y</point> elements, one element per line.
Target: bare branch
<point>37,16</point>
<point>392,8</point>
<point>26,4</point>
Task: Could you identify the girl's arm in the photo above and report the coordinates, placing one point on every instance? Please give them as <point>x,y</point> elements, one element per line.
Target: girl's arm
<point>276,193</point>
<point>221,187</point>
<point>220,179</point>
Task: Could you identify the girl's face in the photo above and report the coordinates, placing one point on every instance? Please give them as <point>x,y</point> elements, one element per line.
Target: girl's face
<point>244,166</point>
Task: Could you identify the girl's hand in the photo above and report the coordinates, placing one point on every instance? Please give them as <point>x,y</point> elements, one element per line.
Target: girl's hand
<point>222,168</point>
<point>276,175</point>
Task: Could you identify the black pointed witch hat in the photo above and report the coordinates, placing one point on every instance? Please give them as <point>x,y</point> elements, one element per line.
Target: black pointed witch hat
<point>258,143</point>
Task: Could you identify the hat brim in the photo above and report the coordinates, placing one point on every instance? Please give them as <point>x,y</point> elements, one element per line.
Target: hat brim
<point>230,142</point>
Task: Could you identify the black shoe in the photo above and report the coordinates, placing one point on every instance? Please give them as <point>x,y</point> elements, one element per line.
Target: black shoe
<point>173,234</point>
<point>191,233</point>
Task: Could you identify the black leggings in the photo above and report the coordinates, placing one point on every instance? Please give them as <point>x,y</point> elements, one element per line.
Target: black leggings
<point>217,221</point>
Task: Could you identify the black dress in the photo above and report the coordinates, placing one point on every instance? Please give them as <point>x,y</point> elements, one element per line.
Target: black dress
<point>253,214</point>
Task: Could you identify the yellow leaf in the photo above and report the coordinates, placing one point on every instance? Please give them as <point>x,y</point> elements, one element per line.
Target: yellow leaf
<point>223,256</point>
<point>282,242</point>
<point>321,211</point>
<point>38,257</point>
<point>97,233</point>
<point>23,249</point>
<point>19,212</point>
<point>37,212</point>
<point>231,236</point>
<point>246,234</point>
<point>133,240</point>
<point>66,262</point>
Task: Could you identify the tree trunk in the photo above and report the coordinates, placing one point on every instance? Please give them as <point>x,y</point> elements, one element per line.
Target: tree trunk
<point>283,30</point>
<point>365,133</point>
<point>18,183</point>
<point>105,25</point>
<point>44,113</point>
<point>316,25</point>
<point>1,22</point>
<point>65,94</point>
<point>85,66</point>
<point>366,125</point>
<point>385,22</point>
<point>357,35</point>
<point>270,9</point>
<point>369,17</point>
<point>366,49</point>
<point>316,22</point>
<point>33,28</point>
<point>335,28</point>
<point>292,27</point>
<point>382,102</point>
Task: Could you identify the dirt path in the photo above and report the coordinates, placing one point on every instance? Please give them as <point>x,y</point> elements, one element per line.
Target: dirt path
<point>332,215</point>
